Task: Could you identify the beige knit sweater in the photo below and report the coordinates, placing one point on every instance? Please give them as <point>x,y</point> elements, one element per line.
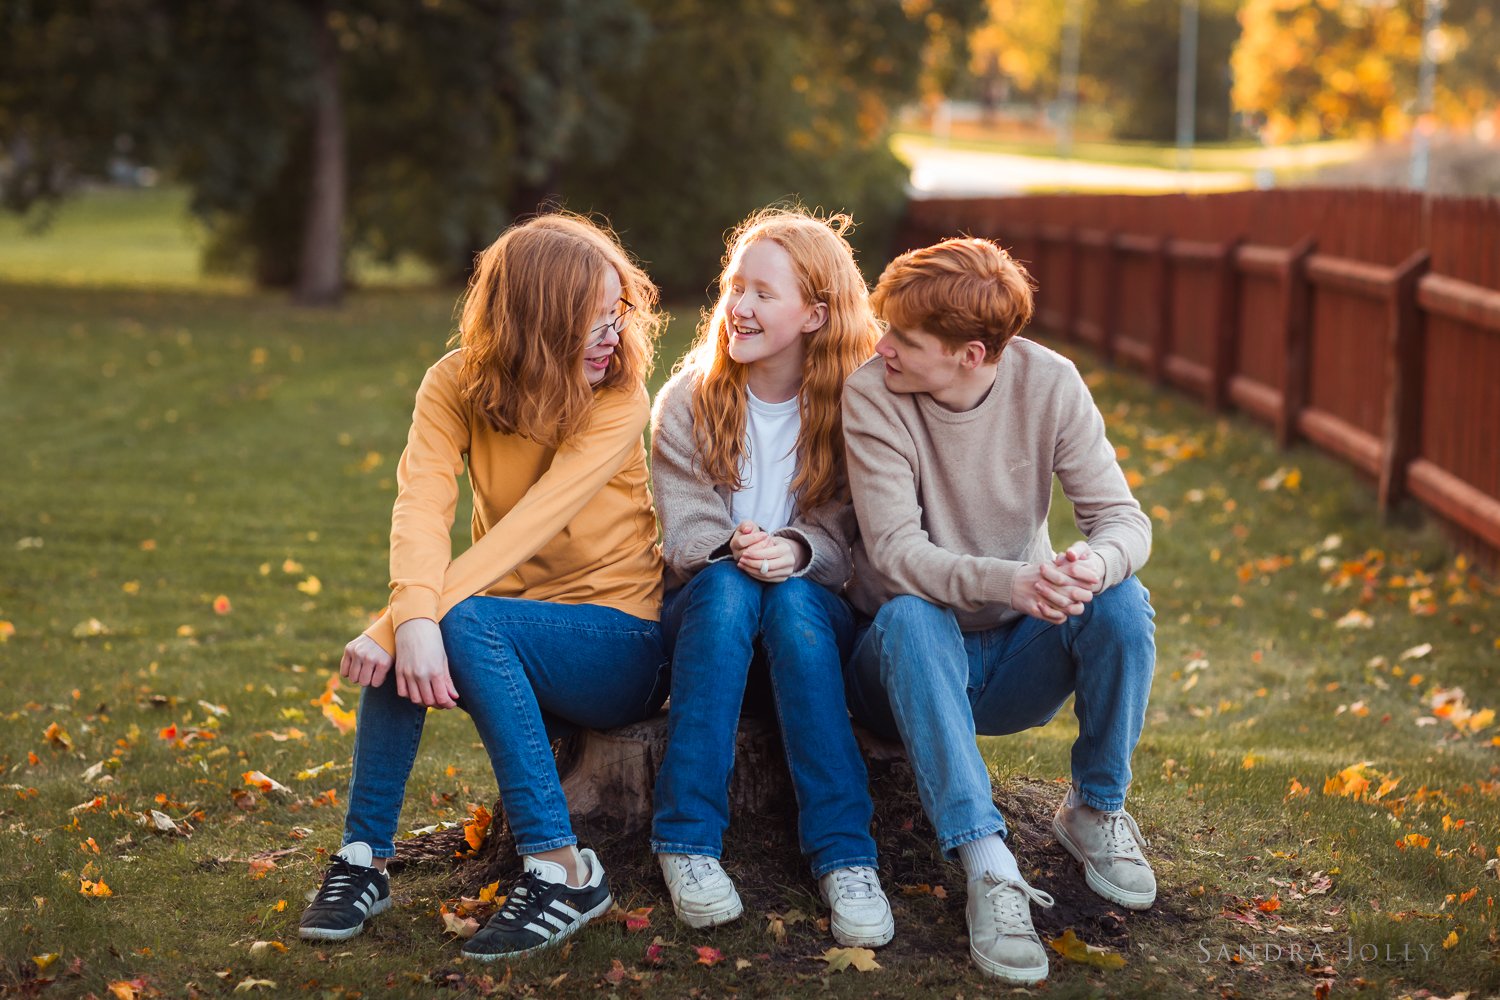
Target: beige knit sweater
<point>951,505</point>
<point>695,521</point>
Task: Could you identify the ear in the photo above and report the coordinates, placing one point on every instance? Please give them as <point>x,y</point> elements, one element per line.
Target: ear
<point>816,318</point>
<point>973,354</point>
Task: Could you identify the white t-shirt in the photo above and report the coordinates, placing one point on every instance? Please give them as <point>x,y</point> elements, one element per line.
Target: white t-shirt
<point>766,497</point>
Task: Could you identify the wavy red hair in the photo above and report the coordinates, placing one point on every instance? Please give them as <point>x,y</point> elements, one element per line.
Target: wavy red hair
<point>826,272</point>
<point>526,318</point>
<point>960,290</point>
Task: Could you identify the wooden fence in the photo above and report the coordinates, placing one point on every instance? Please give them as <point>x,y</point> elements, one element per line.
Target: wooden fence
<point>1365,322</point>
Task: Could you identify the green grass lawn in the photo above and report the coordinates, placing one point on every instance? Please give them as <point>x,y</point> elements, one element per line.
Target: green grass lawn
<point>1320,763</point>
<point>144,238</point>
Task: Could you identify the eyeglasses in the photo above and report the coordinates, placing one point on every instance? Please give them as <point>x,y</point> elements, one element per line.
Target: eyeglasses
<point>615,325</point>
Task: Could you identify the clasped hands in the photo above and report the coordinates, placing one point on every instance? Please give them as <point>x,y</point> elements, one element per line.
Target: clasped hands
<point>1052,591</point>
<point>420,663</point>
<point>764,556</point>
<point>1055,591</point>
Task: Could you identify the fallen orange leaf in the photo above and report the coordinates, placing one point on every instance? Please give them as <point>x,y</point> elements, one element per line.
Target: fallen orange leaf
<point>264,782</point>
<point>1071,947</point>
<point>97,890</point>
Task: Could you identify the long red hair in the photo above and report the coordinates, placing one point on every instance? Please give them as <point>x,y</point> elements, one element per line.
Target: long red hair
<point>526,319</point>
<point>824,265</point>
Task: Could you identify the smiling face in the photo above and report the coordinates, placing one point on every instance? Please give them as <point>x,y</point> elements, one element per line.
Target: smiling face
<point>764,310</point>
<point>602,338</point>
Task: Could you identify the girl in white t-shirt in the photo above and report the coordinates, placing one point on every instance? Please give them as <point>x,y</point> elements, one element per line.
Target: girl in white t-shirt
<point>748,475</point>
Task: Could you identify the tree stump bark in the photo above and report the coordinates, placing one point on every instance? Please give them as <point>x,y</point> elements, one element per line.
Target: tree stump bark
<point>609,777</point>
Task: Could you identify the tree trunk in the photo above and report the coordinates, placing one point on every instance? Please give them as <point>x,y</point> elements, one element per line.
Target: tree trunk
<point>320,278</point>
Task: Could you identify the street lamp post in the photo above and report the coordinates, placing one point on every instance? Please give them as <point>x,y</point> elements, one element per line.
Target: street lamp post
<point>1432,18</point>
<point>1187,83</point>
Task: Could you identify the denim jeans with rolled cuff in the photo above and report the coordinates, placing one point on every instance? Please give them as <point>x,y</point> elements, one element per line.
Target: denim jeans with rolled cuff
<point>915,676</point>
<point>526,672</point>
<point>717,627</point>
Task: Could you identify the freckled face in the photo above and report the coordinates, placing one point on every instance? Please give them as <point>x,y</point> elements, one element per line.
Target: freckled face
<point>763,305</point>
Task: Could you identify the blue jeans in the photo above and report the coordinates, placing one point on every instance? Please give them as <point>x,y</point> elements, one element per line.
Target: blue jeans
<point>915,676</point>
<point>525,671</point>
<point>712,626</point>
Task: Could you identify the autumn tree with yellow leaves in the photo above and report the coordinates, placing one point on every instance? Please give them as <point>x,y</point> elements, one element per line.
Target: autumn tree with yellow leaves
<point>1312,69</point>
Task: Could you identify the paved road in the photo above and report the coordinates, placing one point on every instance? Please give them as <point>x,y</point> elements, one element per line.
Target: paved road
<point>940,172</point>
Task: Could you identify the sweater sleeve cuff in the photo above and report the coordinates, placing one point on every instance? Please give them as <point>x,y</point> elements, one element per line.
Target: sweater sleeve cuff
<point>1114,565</point>
<point>413,601</point>
<point>383,632</point>
<point>999,576</point>
<point>812,550</point>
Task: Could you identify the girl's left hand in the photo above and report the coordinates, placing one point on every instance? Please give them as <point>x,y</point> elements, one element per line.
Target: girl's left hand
<point>773,559</point>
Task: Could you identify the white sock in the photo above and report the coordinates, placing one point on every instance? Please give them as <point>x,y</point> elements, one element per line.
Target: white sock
<point>988,854</point>
<point>551,871</point>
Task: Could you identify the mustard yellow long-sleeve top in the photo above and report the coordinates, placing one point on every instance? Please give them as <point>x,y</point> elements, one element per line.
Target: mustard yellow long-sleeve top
<point>572,524</point>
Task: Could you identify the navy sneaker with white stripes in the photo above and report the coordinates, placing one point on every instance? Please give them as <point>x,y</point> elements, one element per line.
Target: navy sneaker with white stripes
<point>352,892</point>
<point>541,910</point>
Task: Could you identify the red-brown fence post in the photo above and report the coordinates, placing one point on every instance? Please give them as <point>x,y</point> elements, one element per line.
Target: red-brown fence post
<point>1161,343</point>
<point>1109,297</point>
<point>1227,319</point>
<point>1403,379</point>
<point>1075,284</point>
<point>1296,328</point>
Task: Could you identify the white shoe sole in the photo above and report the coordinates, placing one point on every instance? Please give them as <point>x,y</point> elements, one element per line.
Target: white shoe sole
<point>731,911</point>
<point>334,934</point>
<point>1098,883</point>
<point>869,938</point>
<point>1006,973</point>
<point>553,942</point>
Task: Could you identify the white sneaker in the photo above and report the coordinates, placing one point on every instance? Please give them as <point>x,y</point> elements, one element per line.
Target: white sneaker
<point>1002,941</point>
<point>861,913</point>
<point>1109,846</point>
<point>702,892</point>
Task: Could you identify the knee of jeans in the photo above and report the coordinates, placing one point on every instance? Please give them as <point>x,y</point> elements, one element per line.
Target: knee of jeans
<point>791,602</point>
<point>906,614</point>
<point>1122,614</point>
<point>727,589</point>
<point>463,619</point>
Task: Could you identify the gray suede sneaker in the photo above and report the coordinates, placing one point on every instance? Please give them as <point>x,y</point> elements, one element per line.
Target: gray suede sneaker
<point>1002,941</point>
<point>1109,845</point>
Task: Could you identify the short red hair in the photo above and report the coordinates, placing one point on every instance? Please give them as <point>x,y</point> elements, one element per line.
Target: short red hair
<point>958,291</point>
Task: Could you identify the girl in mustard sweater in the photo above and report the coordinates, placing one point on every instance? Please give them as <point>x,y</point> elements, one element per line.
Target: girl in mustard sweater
<point>748,465</point>
<point>551,617</point>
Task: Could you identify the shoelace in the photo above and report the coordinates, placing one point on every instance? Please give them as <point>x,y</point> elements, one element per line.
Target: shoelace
<point>339,882</point>
<point>1124,840</point>
<point>1012,908</point>
<point>697,868</point>
<point>514,911</point>
<point>856,883</point>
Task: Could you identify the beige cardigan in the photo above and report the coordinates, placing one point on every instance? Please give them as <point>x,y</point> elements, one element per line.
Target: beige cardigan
<point>695,514</point>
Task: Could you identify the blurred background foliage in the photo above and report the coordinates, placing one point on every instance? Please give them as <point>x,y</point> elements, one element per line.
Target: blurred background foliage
<point>672,117</point>
<point>422,127</point>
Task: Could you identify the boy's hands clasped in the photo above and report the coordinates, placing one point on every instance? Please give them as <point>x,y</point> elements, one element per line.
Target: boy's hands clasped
<point>766,557</point>
<point>1057,590</point>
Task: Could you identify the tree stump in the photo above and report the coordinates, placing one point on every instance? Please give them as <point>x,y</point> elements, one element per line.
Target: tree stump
<point>609,777</point>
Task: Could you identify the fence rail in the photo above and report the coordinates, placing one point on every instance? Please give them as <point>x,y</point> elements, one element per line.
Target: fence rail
<point>1364,322</point>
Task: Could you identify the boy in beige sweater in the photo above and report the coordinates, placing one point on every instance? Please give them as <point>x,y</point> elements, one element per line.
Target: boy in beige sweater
<point>976,625</point>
